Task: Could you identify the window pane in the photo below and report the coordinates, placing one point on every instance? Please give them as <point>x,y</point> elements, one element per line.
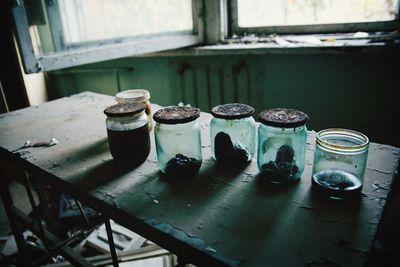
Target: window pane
<point>258,13</point>
<point>90,20</point>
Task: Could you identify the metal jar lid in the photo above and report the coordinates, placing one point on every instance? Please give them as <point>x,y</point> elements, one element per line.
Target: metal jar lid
<point>282,117</point>
<point>176,115</point>
<point>232,111</point>
<point>126,109</point>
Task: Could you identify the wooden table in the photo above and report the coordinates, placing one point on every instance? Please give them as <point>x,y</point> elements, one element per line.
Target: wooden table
<point>220,217</point>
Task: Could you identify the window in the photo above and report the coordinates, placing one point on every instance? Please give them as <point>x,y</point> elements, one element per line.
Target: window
<point>86,21</point>
<point>55,34</point>
<point>313,16</point>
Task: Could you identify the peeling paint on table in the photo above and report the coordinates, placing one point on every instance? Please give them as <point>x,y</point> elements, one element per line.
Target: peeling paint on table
<point>221,216</point>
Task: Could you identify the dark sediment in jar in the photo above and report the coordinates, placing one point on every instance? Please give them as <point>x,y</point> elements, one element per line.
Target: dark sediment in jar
<point>181,165</point>
<point>226,152</point>
<point>337,184</point>
<point>283,168</point>
<point>130,147</point>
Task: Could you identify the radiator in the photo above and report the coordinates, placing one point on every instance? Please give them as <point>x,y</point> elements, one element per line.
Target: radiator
<point>205,86</point>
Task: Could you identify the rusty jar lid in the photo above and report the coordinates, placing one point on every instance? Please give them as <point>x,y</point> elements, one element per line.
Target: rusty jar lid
<point>283,117</point>
<point>126,109</point>
<point>176,115</point>
<point>232,111</point>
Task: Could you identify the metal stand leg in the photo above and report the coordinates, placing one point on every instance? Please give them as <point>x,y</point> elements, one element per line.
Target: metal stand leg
<point>79,205</point>
<point>17,231</point>
<point>111,242</point>
<point>44,202</point>
<point>28,188</point>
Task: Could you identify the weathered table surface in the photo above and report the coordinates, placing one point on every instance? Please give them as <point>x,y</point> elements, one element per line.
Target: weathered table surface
<point>218,217</point>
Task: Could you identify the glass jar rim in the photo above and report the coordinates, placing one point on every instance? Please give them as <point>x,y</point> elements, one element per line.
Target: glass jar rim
<point>177,126</point>
<point>344,133</point>
<point>233,120</point>
<point>282,128</point>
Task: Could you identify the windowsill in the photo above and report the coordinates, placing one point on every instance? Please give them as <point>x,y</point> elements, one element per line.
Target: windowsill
<point>290,44</point>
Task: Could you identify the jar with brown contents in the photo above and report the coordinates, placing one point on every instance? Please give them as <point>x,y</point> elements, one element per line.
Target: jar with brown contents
<point>128,133</point>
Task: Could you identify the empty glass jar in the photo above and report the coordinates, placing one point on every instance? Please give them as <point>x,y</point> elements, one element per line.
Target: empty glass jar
<point>178,142</point>
<point>282,139</point>
<point>233,133</point>
<point>340,159</point>
<point>128,133</point>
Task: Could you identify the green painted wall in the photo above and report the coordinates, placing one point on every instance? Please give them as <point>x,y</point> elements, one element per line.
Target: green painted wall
<point>351,90</point>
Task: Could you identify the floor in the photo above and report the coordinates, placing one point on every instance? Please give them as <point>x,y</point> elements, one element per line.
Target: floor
<point>21,201</point>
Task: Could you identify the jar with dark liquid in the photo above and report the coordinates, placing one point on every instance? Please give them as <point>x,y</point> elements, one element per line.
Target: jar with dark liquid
<point>128,133</point>
<point>340,159</point>
<point>233,134</point>
<point>178,142</point>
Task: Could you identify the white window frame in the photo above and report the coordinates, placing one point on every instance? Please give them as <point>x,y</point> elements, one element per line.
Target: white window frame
<point>308,29</point>
<point>92,52</point>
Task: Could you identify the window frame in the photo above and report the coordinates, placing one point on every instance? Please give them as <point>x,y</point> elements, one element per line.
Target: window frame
<point>214,21</point>
<point>91,52</point>
<point>310,29</point>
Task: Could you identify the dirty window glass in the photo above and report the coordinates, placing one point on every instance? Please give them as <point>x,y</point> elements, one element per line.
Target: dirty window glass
<point>262,13</point>
<point>57,34</point>
<point>92,20</point>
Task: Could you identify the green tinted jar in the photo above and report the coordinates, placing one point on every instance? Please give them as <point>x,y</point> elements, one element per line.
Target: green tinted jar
<point>282,140</point>
<point>340,159</point>
<point>233,134</point>
<point>178,142</point>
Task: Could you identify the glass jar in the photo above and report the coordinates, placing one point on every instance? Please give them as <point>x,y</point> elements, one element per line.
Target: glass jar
<point>128,133</point>
<point>233,133</point>
<point>282,140</point>
<point>340,159</point>
<point>178,142</point>
<point>137,96</point>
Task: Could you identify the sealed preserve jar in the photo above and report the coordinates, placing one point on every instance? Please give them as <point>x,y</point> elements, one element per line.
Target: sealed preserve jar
<point>136,96</point>
<point>282,140</point>
<point>128,133</point>
<point>340,159</point>
<point>233,133</point>
<point>178,142</point>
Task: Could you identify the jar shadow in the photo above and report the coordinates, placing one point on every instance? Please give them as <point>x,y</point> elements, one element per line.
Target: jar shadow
<point>321,200</point>
<point>100,174</point>
<point>266,186</point>
<point>210,174</point>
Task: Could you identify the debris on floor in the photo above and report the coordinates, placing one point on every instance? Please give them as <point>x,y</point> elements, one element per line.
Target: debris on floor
<point>124,239</point>
<point>70,208</point>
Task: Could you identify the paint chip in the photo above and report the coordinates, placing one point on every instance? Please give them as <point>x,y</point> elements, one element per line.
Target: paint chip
<point>211,249</point>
